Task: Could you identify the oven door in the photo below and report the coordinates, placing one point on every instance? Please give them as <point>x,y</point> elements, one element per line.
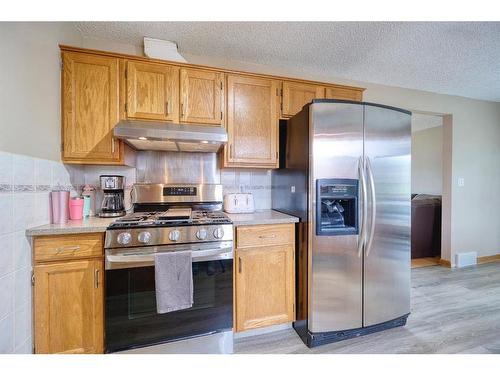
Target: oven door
<point>131,317</point>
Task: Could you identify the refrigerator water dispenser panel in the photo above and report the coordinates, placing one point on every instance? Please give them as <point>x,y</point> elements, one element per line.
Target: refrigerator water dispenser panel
<point>336,207</point>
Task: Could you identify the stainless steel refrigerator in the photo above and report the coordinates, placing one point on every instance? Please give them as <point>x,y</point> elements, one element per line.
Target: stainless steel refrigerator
<point>345,172</point>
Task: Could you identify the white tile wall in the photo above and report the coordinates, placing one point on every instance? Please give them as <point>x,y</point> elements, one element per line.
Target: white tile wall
<point>25,184</point>
<point>255,181</point>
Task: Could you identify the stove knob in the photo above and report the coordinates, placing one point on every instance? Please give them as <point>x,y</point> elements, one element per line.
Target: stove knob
<point>219,233</point>
<point>174,235</point>
<point>201,234</point>
<point>144,237</point>
<point>124,238</point>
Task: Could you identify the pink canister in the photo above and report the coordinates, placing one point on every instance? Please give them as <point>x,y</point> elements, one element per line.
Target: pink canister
<point>76,208</point>
<point>60,206</point>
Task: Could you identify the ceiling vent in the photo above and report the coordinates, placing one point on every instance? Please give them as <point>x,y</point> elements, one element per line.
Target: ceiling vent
<point>162,49</point>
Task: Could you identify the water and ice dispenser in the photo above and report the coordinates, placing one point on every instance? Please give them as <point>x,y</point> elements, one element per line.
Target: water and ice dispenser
<point>336,207</point>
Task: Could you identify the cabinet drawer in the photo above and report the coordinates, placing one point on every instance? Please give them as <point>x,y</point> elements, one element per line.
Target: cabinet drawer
<point>264,235</point>
<point>50,248</point>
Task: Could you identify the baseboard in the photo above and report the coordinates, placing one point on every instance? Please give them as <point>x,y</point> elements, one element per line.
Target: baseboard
<point>263,330</point>
<point>444,262</point>
<point>488,259</point>
<point>480,260</point>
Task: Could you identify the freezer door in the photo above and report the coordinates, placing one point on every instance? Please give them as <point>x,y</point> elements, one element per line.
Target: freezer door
<point>335,274</point>
<point>387,248</point>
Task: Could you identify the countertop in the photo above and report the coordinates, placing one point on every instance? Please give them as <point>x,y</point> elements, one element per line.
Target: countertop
<point>97,224</point>
<point>262,217</point>
<point>88,225</point>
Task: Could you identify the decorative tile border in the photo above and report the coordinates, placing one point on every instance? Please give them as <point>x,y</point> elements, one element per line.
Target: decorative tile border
<point>246,187</point>
<point>5,188</point>
<point>23,188</point>
<point>43,188</point>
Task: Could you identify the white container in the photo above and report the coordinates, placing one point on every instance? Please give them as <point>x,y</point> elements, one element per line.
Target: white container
<point>239,203</point>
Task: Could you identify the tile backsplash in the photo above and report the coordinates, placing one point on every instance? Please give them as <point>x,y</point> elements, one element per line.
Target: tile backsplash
<point>25,184</point>
<point>255,181</point>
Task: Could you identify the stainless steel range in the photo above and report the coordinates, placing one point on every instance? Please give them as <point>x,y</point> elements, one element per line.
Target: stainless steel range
<point>170,218</point>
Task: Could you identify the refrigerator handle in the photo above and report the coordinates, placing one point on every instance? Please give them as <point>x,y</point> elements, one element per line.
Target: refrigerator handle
<point>373,204</point>
<point>363,205</point>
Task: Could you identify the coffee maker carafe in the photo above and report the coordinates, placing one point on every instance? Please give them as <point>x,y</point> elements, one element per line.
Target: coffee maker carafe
<point>112,202</point>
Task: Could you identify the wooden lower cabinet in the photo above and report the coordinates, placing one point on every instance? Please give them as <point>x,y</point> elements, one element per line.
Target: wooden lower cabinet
<point>264,279</point>
<point>68,306</point>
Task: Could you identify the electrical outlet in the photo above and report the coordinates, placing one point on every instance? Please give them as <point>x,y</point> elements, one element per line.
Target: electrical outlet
<point>292,189</point>
<point>461,181</point>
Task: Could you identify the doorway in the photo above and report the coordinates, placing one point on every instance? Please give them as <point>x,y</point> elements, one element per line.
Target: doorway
<point>426,188</point>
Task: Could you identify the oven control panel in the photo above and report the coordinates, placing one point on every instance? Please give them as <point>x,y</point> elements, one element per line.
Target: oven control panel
<point>169,191</point>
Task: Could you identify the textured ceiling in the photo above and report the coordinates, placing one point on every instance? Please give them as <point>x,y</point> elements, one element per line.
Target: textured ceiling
<point>456,58</point>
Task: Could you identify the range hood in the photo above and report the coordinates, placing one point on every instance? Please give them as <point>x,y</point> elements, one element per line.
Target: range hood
<point>163,136</point>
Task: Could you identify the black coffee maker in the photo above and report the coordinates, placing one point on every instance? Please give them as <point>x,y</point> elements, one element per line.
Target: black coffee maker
<point>113,200</point>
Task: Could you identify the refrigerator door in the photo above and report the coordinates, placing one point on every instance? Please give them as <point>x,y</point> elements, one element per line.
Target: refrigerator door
<point>387,247</point>
<point>335,266</point>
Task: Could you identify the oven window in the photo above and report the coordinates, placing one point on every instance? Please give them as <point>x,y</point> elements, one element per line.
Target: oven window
<point>131,317</point>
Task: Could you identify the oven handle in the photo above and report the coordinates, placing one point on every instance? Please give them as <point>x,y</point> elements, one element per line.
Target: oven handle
<point>140,259</point>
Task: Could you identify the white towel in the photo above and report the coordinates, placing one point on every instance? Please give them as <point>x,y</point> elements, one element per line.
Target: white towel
<point>174,281</point>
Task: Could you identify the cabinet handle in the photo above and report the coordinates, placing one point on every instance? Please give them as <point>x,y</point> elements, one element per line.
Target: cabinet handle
<point>268,236</point>
<point>96,279</point>
<point>239,264</point>
<point>182,109</point>
<point>230,151</point>
<point>67,248</point>
<point>112,145</point>
<point>166,107</point>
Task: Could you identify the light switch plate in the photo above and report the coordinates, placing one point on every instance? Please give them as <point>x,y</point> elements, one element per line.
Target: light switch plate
<point>461,181</point>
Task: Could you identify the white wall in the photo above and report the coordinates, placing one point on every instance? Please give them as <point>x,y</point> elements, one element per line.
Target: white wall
<point>427,161</point>
<point>29,162</point>
<point>30,87</point>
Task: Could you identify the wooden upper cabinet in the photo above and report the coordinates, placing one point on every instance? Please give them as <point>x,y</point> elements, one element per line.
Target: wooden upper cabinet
<point>152,91</point>
<point>296,95</point>
<point>69,307</point>
<point>202,96</point>
<point>90,109</point>
<point>344,93</point>
<point>252,122</point>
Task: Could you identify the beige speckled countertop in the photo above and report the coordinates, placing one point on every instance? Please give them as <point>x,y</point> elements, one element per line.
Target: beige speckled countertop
<point>89,225</point>
<point>97,224</point>
<point>262,217</point>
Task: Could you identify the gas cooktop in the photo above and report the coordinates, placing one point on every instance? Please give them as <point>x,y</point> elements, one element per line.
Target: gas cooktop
<point>169,218</point>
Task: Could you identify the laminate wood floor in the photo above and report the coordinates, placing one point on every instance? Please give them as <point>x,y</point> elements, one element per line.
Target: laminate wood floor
<point>453,311</point>
<point>425,262</point>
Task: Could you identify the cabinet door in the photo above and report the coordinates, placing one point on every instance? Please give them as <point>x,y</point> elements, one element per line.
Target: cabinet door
<point>152,91</point>
<point>202,94</point>
<point>296,95</point>
<point>89,108</point>
<point>252,122</point>
<point>69,307</point>
<point>343,93</point>
<point>265,280</point>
